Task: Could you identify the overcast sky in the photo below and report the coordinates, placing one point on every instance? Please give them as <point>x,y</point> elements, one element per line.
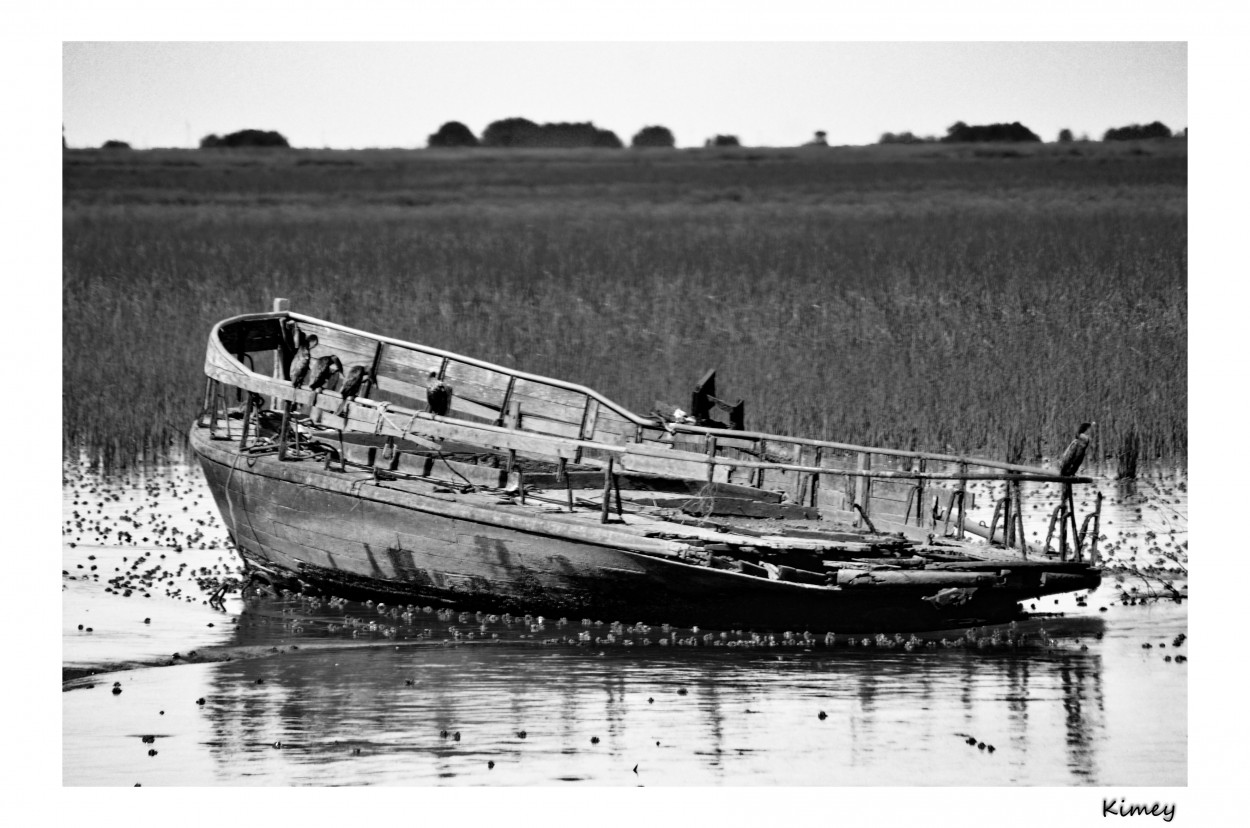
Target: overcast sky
<point>373,94</point>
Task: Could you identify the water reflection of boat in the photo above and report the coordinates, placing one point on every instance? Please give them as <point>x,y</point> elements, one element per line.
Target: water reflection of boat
<point>534,493</point>
<point>744,719</point>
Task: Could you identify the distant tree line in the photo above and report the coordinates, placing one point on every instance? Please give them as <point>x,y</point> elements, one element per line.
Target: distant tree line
<point>905,138</point>
<point>522,132</point>
<point>244,138</point>
<point>959,133</point>
<point>1134,132</point>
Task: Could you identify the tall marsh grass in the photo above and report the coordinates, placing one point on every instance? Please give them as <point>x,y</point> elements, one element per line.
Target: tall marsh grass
<point>942,300</point>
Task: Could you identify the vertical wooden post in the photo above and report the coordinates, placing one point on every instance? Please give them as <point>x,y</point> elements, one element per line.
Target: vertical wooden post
<point>1009,519</point>
<point>279,354</point>
<point>711,454</point>
<point>590,417</point>
<point>1093,543</point>
<point>366,388</point>
<point>507,417</point>
<point>1076,534</point>
<point>607,492</point>
<point>208,400</point>
<point>1019,519</point>
<point>247,420</point>
<point>1024,541</point>
<point>803,480</point>
<point>286,419</point>
<point>1064,499</point>
<point>759,473</point>
<point>863,484</point>
<point>568,484</point>
<point>920,519</point>
<point>815,493</point>
<point>963,494</point>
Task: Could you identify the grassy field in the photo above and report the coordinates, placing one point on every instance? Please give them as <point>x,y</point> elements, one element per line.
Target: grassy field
<point>969,297</point>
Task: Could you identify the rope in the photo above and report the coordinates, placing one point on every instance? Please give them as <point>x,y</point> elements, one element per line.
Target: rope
<point>466,480</point>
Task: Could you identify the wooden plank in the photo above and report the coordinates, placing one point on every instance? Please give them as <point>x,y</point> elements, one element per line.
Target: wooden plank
<point>414,396</point>
<point>481,384</point>
<point>551,394</point>
<point>692,444</point>
<point>411,394</point>
<point>407,365</point>
<point>671,466</point>
<point>465,408</point>
<point>445,469</point>
<point>724,490</point>
<point>351,349</point>
<point>735,507</point>
<point>589,418</point>
<point>404,401</point>
<point>611,427</point>
<point>886,507</point>
<point>662,450</point>
<point>545,408</point>
<point>546,448</point>
<point>863,484</point>
<point>409,462</point>
<point>893,489</point>
<point>739,443</point>
<point>654,433</point>
<point>530,422</point>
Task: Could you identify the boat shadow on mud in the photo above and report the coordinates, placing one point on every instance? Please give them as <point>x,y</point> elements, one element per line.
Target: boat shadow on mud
<point>268,627</point>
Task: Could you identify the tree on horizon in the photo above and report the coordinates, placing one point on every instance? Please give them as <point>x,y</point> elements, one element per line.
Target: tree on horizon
<point>452,134</point>
<point>959,132</point>
<point>245,138</point>
<point>1154,129</point>
<point>522,132</point>
<point>654,136</point>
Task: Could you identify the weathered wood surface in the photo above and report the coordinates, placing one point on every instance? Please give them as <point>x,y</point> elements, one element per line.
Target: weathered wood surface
<point>731,507</point>
<point>866,578</point>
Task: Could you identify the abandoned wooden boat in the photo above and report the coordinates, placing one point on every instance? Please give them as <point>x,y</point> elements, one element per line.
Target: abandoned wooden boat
<point>528,493</point>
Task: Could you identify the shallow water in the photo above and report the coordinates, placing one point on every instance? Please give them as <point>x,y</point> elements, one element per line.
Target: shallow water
<point>322,692</point>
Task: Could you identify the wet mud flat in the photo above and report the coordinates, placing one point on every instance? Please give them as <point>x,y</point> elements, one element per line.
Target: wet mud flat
<point>301,690</point>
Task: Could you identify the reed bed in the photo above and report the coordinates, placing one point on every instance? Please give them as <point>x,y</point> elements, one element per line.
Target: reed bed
<point>942,300</point>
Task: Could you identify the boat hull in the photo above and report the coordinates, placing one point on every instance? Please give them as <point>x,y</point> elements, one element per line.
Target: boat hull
<point>294,525</point>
